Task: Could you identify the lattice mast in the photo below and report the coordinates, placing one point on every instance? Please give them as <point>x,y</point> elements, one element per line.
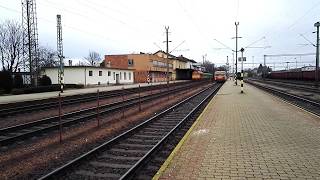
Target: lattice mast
<point>30,40</point>
<point>60,52</point>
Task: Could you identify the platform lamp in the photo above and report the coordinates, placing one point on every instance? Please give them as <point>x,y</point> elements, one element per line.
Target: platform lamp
<point>317,24</point>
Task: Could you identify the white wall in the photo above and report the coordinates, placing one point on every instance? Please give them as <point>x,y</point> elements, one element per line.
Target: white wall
<point>80,75</point>
<point>189,65</point>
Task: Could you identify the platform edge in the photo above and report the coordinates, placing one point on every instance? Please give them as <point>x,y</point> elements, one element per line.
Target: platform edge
<point>182,141</point>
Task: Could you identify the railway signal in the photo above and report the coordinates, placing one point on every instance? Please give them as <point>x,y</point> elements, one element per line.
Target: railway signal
<point>60,52</point>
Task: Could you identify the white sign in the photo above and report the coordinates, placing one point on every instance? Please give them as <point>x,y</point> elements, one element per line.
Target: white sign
<point>240,59</point>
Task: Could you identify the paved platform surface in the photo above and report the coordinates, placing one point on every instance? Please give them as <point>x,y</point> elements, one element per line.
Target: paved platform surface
<point>248,136</point>
<point>70,92</point>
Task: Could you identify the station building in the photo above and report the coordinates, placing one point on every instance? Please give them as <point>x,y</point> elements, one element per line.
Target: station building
<point>147,67</point>
<point>90,75</point>
<point>152,67</point>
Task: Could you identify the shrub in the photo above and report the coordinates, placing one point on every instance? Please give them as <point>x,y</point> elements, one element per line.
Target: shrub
<point>17,81</point>
<point>6,81</point>
<point>45,81</point>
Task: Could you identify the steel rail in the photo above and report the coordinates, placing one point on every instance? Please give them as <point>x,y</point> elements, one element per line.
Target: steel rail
<point>107,145</point>
<point>28,106</point>
<point>290,85</point>
<point>306,104</point>
<point>46,124</point>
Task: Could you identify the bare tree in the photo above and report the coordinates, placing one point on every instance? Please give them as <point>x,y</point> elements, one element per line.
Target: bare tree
<point>209,66</point>
<point>11,50</point>
<point>47,57</point>
<point>93,58</point>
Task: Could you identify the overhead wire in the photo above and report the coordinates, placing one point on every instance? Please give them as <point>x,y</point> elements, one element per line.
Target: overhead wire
<point>295,22</point>
<point>53,22</point>
<point>191,19</point>
<point>141,30</point>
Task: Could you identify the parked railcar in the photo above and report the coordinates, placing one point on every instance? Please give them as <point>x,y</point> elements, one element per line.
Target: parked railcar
<point>293,75</point>
<point>198,75</point>
<point>220,76</point>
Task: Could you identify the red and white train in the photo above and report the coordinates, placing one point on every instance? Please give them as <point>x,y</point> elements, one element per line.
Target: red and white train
<point>220,76</point>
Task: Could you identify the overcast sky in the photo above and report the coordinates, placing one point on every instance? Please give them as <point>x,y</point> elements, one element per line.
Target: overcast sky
<point>127,26</point>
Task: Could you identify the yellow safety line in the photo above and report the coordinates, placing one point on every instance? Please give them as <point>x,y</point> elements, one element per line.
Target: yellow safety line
<point>178,147</point>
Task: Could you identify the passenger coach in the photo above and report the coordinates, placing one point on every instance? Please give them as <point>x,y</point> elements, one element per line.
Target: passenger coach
<point>220,76</point>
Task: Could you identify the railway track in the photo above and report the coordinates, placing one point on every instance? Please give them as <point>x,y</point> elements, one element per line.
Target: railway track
<point>307,104</point>
<point>27,107</point>
<point>20,132</point>
<point>290,85</point>
<point>296,82</point>
<point>124,156</point>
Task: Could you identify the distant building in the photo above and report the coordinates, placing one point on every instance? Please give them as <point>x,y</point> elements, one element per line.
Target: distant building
<point>147,67</point>
<point>308,68</point>
<point>89,75</point>
<point>152,67</point>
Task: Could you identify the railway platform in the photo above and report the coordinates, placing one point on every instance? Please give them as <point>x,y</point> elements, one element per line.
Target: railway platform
<point>70,92</point>
<point>247,136</point>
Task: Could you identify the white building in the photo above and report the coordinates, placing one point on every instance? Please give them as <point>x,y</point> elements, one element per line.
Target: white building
<point>89,75</point>
<point>308,68</point>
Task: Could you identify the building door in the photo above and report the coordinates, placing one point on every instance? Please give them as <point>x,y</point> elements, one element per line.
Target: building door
<point>117,79</point>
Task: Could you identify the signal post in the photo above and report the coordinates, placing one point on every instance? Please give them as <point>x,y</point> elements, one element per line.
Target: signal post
<point>242,59</point>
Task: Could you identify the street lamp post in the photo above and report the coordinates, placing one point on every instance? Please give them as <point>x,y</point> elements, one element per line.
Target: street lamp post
<point>317,24</point>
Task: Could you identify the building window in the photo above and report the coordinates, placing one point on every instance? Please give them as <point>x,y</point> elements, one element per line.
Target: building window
<point>130,62</point>
<point>109,73</point>
<point>125,76</point>
<point>90,73</point>
<point>114,76</point>
<point>120,75</point>
<point>100,73</point>
<point>129,75</point>
<point>155,63</point>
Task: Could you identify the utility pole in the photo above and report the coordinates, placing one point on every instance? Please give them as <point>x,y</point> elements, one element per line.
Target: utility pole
<point>317,24</point>
<point>167,43</point>
<point>287,65</point>
<point>60,52</point>
<point>227,65</point>
<point>264,65</point>
<point>233,64</point>
<point>237,24</point>
<point>30,39</point>
<point>252,62</point>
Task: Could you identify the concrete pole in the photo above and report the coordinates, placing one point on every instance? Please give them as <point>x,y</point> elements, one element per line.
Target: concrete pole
<point>233,65</point>
<point>167,51</point>
<point>236,23</point>
<point>317,24</point>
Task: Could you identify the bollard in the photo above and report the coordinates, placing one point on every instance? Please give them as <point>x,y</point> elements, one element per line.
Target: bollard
<point>98,106</point>
<point>60,125</point>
